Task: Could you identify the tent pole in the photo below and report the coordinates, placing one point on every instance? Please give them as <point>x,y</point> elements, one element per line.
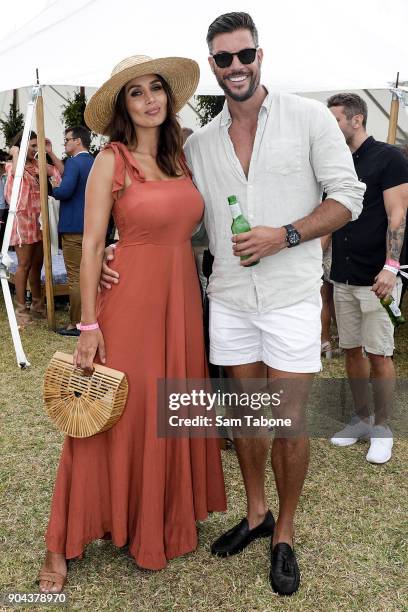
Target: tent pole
<point>392,127</point>
<point>5,260</point>
<point>42,164</point>
<point>402,135</point>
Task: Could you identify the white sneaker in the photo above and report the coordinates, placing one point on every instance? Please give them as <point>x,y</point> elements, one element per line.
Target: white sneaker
<point>381,445</point>
<point>353,432</point>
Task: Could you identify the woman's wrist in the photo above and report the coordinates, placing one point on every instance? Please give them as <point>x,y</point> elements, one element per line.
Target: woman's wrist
<point>88,326</point>
<point>88,320</point>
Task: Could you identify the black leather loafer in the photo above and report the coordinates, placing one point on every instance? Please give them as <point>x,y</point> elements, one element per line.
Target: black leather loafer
<point>63,331</point>
<point>284,575</point>
<point>236,539</point>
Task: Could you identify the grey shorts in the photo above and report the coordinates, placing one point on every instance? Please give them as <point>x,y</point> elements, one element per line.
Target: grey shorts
<point>362,320</point>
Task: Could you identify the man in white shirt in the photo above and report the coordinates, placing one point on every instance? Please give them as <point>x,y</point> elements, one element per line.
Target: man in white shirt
<point>276,153</point>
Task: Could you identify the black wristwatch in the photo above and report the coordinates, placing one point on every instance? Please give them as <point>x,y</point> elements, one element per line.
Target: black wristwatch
<point>292,236</point>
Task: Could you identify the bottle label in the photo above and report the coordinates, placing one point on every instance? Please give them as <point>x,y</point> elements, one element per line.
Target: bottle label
<point>394,309</point>
<point>235,210</point>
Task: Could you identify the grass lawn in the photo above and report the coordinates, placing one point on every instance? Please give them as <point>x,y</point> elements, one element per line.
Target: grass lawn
<point>351,529</point>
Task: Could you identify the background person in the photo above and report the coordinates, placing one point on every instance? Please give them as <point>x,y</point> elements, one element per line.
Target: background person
<point>328,313</point>
<point>365,261</point>
<point>3,204</point>
<point>26,234</point>
<point>71,194</point>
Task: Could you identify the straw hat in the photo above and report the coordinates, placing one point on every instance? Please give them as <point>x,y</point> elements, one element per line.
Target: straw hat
<point>181,74</point>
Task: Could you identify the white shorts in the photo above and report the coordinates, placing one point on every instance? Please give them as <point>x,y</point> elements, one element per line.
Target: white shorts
<point>287,339</point>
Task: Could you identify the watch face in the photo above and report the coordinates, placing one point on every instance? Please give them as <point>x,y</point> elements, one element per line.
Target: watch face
<point>292,237</point>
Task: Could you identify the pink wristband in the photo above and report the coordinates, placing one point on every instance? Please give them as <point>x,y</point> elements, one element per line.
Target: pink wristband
<point>393,262</point>
<point>89,327</point>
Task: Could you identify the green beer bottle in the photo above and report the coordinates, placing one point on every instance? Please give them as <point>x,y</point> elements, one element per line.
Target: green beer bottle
<point>393,311</point>
<point>239,223</point>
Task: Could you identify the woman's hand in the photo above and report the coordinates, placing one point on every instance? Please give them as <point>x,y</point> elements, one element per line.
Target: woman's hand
<point>14,151</point>
<point>48,146</point>
<point>88,344</point>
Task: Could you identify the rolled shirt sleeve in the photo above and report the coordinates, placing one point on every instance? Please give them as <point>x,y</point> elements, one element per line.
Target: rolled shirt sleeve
<point>332,162</point>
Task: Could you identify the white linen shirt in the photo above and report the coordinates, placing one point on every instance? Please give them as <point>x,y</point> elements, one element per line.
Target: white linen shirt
<point>299,152</point>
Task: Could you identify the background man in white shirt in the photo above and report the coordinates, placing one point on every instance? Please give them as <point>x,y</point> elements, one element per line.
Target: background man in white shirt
<point>276,153</point>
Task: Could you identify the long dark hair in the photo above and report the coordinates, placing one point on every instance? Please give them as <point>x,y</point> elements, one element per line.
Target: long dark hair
<point>170,149</point>
<point>16,141</point>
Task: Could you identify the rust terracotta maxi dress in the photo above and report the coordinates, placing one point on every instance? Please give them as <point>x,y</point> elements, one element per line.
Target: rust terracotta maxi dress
<point>127,483</point>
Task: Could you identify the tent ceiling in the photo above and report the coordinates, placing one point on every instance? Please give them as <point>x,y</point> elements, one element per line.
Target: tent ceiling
<point>309,46</point>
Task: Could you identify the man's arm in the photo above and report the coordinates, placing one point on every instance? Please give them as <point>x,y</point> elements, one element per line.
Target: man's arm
<point>333,166</point>
<point>264,241</point>
<point>395,203</point>
<point>68,183</point>
<point>326,218</point>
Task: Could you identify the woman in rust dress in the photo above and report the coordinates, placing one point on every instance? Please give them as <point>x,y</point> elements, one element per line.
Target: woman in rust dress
<point>127,483</point>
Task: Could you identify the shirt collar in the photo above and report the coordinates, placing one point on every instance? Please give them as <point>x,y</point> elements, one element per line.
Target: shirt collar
<point>79,153</point>
<point>363,147</point>
<point>265,107</point>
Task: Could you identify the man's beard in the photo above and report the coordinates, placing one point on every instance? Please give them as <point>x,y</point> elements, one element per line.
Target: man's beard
<point>253,86</point>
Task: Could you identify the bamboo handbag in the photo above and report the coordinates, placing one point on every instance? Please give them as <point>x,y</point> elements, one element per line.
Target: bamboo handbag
<point>82,406</point>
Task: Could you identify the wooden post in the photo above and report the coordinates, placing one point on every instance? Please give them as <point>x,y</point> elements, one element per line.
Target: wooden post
<point>15,99</point>
<point>42,163</point>
<point>392,126</point>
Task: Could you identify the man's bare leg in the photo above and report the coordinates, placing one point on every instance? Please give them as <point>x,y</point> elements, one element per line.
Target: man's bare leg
<point>358,373</point>
<point>252,452</point>
<point>383,380</point>
<point>290,455</point>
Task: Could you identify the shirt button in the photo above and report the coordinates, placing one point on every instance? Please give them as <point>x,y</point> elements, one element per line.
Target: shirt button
<point>347,258</point>
<point>345,239</point>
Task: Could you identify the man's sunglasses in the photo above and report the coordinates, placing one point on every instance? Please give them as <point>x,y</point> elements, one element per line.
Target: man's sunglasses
<point>224,59</point>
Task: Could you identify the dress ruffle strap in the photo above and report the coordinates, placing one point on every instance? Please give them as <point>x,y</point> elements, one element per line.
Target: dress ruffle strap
<point>184,166</point>
<point>124,162</point>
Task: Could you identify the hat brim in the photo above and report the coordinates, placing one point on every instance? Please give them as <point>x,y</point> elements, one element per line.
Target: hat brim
<point>181,74</point>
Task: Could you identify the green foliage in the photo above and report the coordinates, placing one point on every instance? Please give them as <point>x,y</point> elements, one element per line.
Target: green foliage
<point>209,107</point>
<point>73,114</point>
<point>11,126</point>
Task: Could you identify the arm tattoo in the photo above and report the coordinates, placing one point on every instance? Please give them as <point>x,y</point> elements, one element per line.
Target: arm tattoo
<point>395,239</point>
